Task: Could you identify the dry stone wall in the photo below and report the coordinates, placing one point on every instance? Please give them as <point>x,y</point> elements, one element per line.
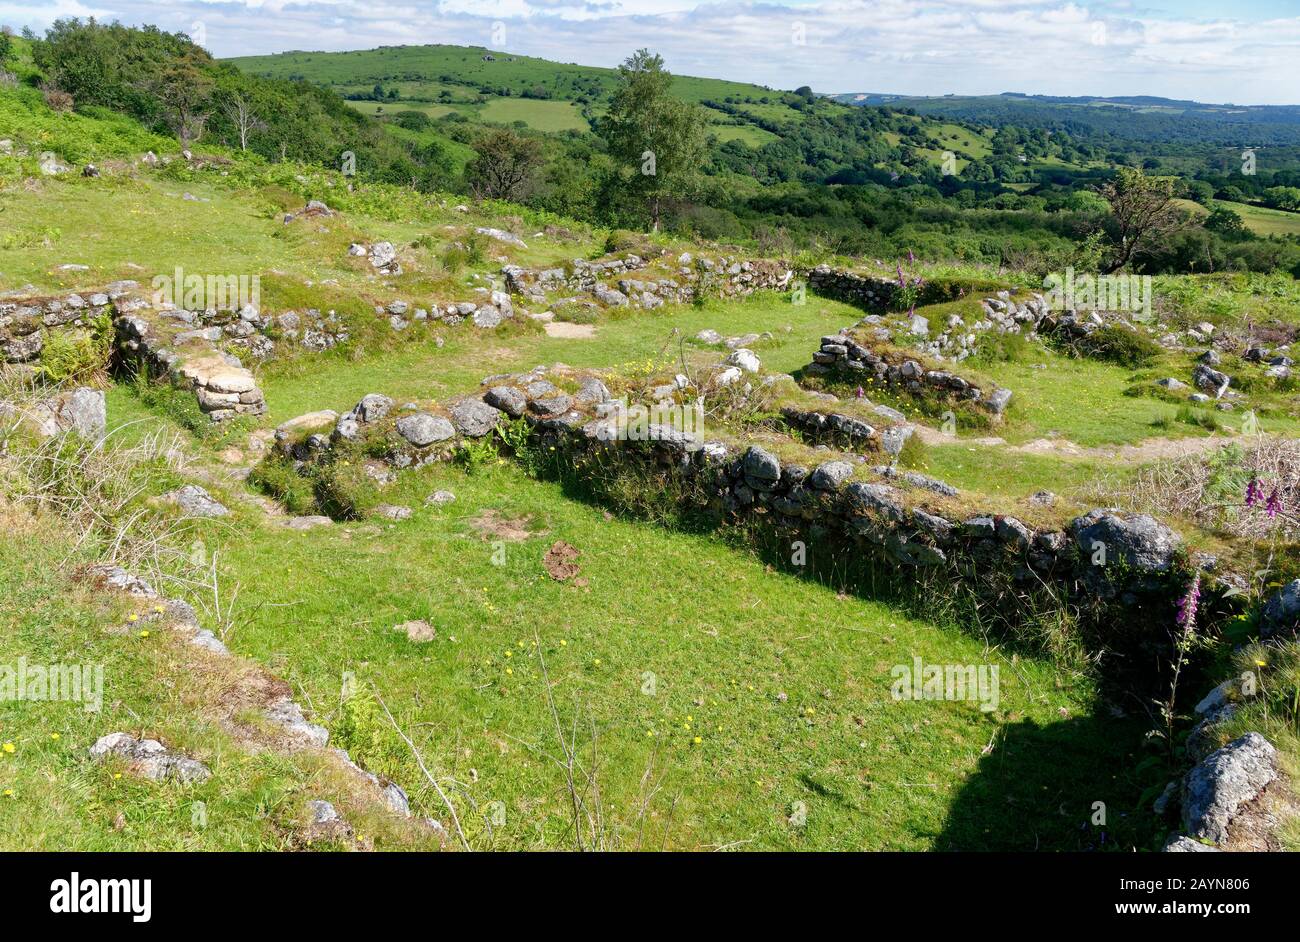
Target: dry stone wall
<point>170,343</point>
<point>847,356</point>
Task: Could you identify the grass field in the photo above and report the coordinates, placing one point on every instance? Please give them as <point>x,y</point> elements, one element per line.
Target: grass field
<point>538,115</point>
<point>754,701</point>
<point>1264,221</point>
<point>754,698</point>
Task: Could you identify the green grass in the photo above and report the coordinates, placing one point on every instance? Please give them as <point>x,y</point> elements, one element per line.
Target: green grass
<point>722,636</point>
<point>748,134</point>
<point>75,137</point>
<point>1264,221</point>
<point>538,115</point>
<point>53,797</point>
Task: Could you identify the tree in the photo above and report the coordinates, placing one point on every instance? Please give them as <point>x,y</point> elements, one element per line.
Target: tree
<point>6,44</point>
<point>1225,222</point>
<point>505,166</point>
<point>186,94</point>
<point>1143,212</point>
<point>239,112</point>
<point>658,142</point>
<point>1283,197</point>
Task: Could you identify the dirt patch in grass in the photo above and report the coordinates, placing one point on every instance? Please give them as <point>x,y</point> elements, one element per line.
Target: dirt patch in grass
<point>561,561</point>
<point>491,525</point>
<point>568,331</point>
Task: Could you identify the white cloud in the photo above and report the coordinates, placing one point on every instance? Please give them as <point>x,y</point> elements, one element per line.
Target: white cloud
<point>919,46</point>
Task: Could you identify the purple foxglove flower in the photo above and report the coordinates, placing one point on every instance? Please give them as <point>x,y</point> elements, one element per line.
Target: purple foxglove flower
<point>1274,504</point>
<point>1252,492</point>
<point>1187,605</point>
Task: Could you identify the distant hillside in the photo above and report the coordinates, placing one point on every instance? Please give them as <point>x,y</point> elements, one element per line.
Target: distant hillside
<point>548,96</point>
<point>1141,117</point>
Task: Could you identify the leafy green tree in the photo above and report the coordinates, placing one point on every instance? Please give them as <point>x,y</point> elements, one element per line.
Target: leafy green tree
<point>505,166</point>
<point>658,142</point>
<point>186,94</point>
<point>1283,197</point>
<point>1143,211</point>
<point>1225,222</point>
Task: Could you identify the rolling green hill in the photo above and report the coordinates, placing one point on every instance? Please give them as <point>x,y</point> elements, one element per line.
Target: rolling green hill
<point>501,88</point>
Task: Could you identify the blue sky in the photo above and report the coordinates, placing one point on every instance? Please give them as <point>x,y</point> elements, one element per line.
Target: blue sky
<point>1245,51</point>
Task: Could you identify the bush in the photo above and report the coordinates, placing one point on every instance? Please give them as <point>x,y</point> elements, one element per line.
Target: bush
<point>56,100</point>
<point>1116,344</point>
<point>77,356</point>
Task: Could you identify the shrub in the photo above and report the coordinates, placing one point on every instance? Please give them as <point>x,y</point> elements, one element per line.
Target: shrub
<point>1003,348</point>
<point>77,356</point>
<point>56,99</point>
<point>1116,344</point>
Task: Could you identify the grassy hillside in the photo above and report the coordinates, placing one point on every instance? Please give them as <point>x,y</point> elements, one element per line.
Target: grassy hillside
<point>733,700</point>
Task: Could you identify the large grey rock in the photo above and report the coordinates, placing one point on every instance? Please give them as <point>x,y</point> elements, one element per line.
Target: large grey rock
<point>747,360</point>
<point>893,440</point>
<point>196,502</point>
<point>149,759</point>
<point>1139,540</point>
<point>508,399</point>
<point>384,258</point>
<point>1225,780</point>
<point>997,400</point>
<point>553,405</point>
<point>487,317</point>
<point>83,411</point>
<point>474,418</point>
<point>1282,611</point>
<point>372,407</point>
<point>829,476</point>
<point>423,429</point>
<point>1211,380</point>
<point>393,512</point>
<point>79,410</point>
<point>592,391</point>
<point>760,467</point>
<point>877,498</point>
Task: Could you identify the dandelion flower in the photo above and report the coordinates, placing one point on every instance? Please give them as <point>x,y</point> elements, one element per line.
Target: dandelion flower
<point>8,748</point>
<point>145,633</point>
<point>510,670</point>
<point>697,740</point>
<point>133,617</point>
<point>55,736</point>
<point>9,793</point>
<point>563,643</point>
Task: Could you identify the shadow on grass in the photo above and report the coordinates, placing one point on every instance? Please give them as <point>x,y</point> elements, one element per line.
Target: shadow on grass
<point>1038,786</point>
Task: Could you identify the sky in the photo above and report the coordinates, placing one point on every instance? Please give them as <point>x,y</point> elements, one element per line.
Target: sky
<point>1243,51</point>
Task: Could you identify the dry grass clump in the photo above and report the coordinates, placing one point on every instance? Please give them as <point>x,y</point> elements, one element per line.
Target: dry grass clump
<point>1215,489</point>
